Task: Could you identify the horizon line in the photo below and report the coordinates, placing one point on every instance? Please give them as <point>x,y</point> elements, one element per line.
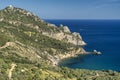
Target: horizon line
<point>80,19</point>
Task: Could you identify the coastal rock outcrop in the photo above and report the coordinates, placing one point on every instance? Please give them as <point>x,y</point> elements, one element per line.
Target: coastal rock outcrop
<point>74,38</point>
<point>64,28</point>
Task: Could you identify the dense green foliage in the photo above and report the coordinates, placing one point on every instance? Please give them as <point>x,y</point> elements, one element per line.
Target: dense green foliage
<point>27,71</point>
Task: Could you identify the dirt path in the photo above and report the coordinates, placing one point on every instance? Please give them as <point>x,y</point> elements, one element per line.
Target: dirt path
<point>8,44</point>
<point>10,71</point>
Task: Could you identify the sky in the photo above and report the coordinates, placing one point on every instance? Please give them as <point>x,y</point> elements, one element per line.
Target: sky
<point>68,9</point>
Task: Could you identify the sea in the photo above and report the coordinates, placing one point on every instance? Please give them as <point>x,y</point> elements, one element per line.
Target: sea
<point>100,35</point>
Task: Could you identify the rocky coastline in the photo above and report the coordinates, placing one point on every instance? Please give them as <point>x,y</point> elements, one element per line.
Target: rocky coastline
<point>57,58</point>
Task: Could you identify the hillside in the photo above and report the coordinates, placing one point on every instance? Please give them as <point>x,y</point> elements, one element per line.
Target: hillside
<point>36,38</point>
<point>31,48</point>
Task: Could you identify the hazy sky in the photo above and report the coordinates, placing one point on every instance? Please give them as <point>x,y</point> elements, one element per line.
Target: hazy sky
<point>69,9</point>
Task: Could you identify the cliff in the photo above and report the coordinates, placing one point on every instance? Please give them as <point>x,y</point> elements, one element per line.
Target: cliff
<point>35,39</point>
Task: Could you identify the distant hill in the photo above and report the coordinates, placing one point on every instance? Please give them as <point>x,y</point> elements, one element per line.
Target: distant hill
<point>30,49</point>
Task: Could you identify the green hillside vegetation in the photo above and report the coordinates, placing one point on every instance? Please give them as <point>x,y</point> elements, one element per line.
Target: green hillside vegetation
<point>25,53</point>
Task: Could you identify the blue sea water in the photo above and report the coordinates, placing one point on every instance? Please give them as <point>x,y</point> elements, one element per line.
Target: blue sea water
<point>102,35</point>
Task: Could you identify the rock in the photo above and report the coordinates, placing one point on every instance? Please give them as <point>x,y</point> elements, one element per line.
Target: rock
<point>96,52</point>
<point>65,28</point>
<point>73,38</point>
<point>1,19</point>
<point>61,25</point>
<point>77,35</point>
<point>51,25</point>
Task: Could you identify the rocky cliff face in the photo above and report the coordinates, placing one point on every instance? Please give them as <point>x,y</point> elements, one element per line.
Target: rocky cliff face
<point>36,40</point>
<point>73,38</point>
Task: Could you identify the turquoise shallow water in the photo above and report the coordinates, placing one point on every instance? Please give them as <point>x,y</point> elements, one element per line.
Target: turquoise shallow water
<point>102,35</point>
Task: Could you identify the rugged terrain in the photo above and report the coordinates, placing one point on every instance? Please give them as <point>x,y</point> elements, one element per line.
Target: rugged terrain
<point>31,48</point>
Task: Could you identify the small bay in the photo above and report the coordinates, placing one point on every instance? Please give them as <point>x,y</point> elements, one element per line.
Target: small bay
<point>101,35</point>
